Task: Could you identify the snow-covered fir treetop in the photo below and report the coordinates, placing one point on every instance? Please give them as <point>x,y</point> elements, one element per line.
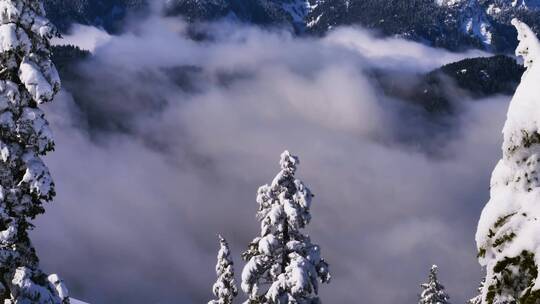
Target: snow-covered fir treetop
<point>225,288</point>
<point>224,255</point>
<point>508,235</point>
<point>524,112</point>
<point>433,291</point>
<point>528,47</point>
<point>478,298</point>
<point>283,266</point>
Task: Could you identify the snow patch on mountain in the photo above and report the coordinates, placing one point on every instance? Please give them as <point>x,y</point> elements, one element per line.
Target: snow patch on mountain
<point>526,3</point>
<point>478,28</point>
<point>315,21</point>
<point>489,3</point>
<point>448,2</point>
<point>493,10</point>
<point>298,10</point>
<point>475,22</point>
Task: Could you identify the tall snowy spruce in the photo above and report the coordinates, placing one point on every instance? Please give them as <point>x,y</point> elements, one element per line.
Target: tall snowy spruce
<point>28,78</point>
<point>283,266</point>
<point>433,291</point>
<point>225,288</point>
<point>508,235</point>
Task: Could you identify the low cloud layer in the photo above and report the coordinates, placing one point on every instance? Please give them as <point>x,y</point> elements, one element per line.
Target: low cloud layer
<point>168,139</point>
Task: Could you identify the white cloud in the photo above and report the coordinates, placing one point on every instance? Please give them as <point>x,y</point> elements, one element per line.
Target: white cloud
<point>393,52</point>
<point>85,37</point>
<point>138,210</point>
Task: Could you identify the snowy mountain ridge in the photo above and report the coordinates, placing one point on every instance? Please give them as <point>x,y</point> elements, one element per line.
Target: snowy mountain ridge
<point>292,13</point>
<point>477,16</point>
<point>494,4</point>
<point>450,24</point>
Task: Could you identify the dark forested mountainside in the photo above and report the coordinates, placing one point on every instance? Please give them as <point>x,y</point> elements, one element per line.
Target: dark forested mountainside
<point>470,78</point>
<point>108,14</point>
<point>454,25</point>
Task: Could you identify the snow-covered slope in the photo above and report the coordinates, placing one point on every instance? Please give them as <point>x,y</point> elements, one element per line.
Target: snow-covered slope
<point>276,12</point>
<point>508,235</point>
<point>475,21</point>
<point>525,3</point>
<point>451,24</point>
<point>484,19</point>
<point>495,4</point>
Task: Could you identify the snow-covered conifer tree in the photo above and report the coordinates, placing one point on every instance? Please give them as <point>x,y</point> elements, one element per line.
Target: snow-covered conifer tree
<point>28,78</point>
<point>478,298</point>
<point>508,235</point>
<point>225,288</point>
<point>283,266</point>
<point>433,291</point>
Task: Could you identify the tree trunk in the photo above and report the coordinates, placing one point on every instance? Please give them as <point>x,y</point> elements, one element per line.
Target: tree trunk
<point>285,254</point>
